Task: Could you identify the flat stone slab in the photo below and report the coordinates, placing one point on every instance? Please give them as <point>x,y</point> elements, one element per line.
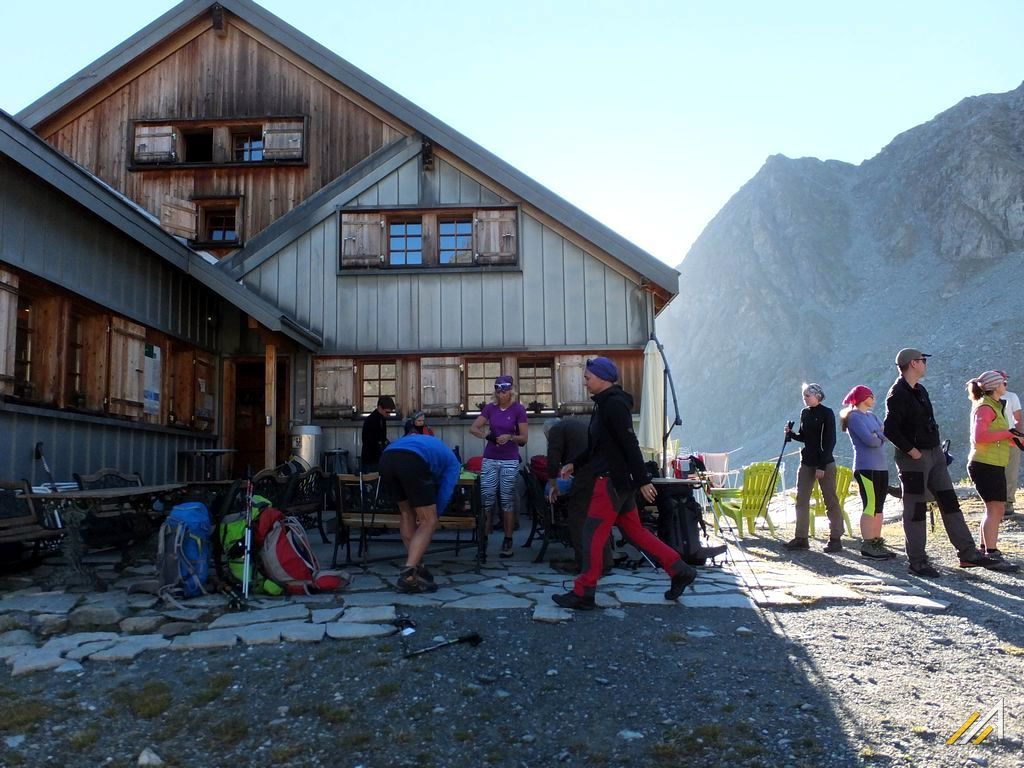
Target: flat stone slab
<point>379,614</point>
<point>637,597</point>
<point>10,651</point>
<point>69,667</point>
<point>351,630</point>
<point>35,660</point>
<point>185,614</point>
<point>367,599</point>
<point>914,602</point>
<point>773,597</point>
<point>825,591</point>
<point>491,602</point>
<point>716,601</point>
<point>96,615</point>
<point>86,650</point>
<point>17,637</point>
<point>40,602</point>
<point>67,642</point>
<point>211,638</point>
<point>475,589</point>
<point>260,634</point>
<point>365,582</point>
<point>552,614</point>
<point>289,612</point>
<point>128,649</point>
<point>142,625</point>
<point>524,588</point>
<point>324,615</point>
<point>302,632</point>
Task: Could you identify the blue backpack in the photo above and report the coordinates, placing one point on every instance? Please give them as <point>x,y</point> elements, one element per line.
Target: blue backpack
<point>183,554</point>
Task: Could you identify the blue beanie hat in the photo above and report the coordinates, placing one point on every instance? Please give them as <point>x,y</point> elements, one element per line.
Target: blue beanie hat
<point>603,368</point>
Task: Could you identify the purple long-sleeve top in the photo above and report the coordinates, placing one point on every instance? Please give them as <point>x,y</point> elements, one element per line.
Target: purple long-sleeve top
<point>868,440</point>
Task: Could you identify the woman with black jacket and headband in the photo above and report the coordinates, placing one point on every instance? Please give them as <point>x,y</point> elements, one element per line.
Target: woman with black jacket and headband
<point>818,434</point>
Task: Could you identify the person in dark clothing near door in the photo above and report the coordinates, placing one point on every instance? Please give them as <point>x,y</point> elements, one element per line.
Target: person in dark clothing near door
<point>818,434</point>
<point>567,439</point>
<point>613,456</point>
<point>910,426</point>
<point>375,433</point>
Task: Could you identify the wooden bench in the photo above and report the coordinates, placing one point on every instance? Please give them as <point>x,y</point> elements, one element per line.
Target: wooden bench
<point>20,524</point>
<point>381,514</point>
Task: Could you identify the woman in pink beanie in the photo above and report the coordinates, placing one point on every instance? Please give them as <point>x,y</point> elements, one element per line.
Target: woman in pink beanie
<point>870,467</point>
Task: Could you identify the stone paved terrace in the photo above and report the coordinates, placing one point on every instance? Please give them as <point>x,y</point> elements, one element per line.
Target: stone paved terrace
<point>43,627</point>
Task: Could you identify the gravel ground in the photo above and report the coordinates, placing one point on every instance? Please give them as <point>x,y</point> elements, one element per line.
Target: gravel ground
<point>823,684</point>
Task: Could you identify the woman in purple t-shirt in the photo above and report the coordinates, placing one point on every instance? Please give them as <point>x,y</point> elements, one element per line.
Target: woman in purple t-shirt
<point>503,425</point>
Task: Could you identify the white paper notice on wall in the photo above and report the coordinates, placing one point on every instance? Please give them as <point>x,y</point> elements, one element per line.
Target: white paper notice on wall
<point>151,381</point>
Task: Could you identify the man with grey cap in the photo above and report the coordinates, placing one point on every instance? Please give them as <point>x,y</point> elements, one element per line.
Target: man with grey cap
<point>910,426</point>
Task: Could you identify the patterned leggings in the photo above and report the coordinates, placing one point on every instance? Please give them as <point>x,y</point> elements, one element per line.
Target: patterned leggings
<point>497,473</point>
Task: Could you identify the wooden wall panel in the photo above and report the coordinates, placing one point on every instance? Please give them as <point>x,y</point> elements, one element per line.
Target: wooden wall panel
<point>224,77</point>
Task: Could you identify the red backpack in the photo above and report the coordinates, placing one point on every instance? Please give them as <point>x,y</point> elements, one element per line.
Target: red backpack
<point>539,467</point>
<point>286,556</point>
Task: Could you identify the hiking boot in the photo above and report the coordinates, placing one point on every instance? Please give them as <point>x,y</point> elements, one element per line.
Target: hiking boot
<point>410,582</point>
<point>895,491</point>
<point>995,554</point>
<point>925,570</point>
<point>797,543</point>
<point>681,581</point>
<point>506,548</point>
<point>834,545</point>
<point>574,601</point>
<point>706,553</point>
<point>423,573</point>
<point>875,550</point>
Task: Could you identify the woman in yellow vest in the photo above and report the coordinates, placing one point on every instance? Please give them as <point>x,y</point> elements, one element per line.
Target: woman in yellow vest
<point>990,453</point>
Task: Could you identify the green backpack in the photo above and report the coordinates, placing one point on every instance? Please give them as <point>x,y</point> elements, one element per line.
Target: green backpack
<point>231,534</point>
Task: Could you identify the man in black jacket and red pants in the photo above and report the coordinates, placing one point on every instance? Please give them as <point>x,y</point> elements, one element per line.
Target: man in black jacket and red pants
<point>613,456</point>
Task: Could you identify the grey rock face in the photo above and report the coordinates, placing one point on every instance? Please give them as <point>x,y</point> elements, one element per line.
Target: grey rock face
<point>821,271</point>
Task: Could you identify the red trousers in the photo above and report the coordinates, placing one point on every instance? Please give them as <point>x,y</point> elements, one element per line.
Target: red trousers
<point>606,509</point>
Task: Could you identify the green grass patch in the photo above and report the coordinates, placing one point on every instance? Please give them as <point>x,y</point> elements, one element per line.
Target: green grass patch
<point>21,713</point>
<point>676,637</point>
<point>387,690</point>
<point>215,686</point>
<point>67,693</point>
<point>283,754</point>
<point>84,738</point>
<point>330,713</point>
<point>229,731</point>
<point>152,700</point>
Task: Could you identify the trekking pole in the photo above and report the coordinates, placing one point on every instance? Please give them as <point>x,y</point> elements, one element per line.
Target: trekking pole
<point>54,516</point>
<point>247,557</point>
<point>775,475</point>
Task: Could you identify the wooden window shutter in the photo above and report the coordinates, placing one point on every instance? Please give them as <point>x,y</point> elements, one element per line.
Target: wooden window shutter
<point>155,144</point>
<point>284,141</point>
<point>334,388</point>
<point>8,329</point>
<point>180,217</point>
<point>127,369</point>
<point>441,386</point>
<point>572,394</point>
<point>494,237</point>
<point>362,240</point>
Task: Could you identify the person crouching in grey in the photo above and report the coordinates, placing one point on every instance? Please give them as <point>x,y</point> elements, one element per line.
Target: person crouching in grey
<point>818,434</point>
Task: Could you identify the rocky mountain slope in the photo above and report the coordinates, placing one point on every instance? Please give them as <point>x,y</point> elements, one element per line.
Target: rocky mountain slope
<point>821,270</point>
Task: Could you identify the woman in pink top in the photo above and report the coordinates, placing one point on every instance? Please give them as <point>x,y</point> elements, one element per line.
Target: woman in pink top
<point>503,425</point>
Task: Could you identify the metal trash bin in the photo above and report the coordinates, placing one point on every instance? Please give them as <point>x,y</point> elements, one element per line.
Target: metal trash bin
<point>306,444</point>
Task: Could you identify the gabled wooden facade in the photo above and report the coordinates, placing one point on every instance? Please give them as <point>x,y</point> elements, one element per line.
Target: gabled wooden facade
<point>420,263</point>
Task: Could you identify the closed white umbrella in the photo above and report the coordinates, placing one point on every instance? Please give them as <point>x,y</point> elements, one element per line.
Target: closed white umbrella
<point>652,403</point>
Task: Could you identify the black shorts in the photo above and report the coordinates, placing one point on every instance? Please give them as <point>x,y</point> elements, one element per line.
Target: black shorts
<point>406,477</point>
<point>989,480</point>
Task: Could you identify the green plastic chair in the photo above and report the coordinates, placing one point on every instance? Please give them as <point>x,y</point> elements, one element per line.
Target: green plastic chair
<point>844,482</point>
<point>749,501</point>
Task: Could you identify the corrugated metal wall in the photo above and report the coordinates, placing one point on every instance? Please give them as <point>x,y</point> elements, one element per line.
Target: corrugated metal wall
<point>84,444</point>
<point>562,297</point>
<point>49,235</point>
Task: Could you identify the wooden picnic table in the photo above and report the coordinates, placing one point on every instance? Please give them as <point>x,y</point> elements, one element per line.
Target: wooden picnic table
<point>73,507</point>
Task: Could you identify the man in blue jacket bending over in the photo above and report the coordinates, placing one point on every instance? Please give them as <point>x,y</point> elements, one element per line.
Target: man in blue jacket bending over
<point>420,473</point>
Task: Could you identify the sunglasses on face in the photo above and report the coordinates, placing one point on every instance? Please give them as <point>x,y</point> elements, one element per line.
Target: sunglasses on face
<point>503,388</point>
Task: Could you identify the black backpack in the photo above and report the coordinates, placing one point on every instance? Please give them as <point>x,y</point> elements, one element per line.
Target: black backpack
<point>680,522</point>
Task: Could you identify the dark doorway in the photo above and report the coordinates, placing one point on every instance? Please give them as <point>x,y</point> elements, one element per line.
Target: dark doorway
<point>251,416</point>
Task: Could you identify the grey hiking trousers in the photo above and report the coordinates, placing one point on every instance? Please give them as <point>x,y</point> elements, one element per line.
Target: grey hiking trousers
<point>918,476</point>
<point>805,477</point>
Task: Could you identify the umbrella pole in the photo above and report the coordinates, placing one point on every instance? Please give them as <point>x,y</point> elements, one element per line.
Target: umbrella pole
<point>676,422</point>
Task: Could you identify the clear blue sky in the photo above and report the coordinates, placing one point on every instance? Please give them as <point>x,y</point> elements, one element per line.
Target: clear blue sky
<point>647,114</point>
